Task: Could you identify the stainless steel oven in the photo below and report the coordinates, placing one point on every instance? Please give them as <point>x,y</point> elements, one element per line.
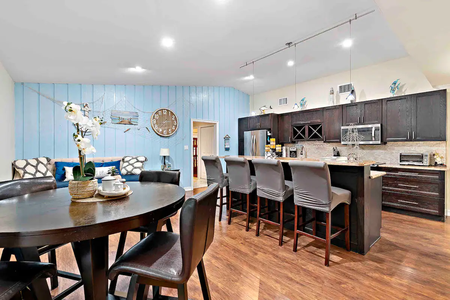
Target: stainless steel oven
<point>416,159</point>
<point>367,134</point>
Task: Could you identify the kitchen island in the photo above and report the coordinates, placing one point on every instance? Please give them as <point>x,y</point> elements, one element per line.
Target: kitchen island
<point>365,209</point>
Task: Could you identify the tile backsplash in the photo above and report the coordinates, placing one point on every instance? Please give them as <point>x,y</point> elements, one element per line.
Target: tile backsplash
<point>387,153</point>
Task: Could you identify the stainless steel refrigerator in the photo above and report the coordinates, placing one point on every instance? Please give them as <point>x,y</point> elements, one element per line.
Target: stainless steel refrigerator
<point>255,142</point>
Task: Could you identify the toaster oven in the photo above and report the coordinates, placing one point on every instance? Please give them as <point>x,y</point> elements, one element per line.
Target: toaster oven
<point>416,159</point>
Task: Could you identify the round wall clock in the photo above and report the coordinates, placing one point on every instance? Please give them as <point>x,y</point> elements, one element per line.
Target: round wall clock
<point>164,122</point>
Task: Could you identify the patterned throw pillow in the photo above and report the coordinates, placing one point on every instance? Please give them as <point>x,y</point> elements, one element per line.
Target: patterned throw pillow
<point>31,168</point>
<point>133,165</point>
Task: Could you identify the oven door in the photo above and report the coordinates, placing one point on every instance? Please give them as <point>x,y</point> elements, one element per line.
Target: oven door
<point>366,134</point>
<point>411,159</point>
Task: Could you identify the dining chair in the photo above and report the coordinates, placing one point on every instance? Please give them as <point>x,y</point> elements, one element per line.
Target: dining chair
<point>215,174</point>
<point>167,259</point>
<point>312,189</point>
<point>18,280</point>
<point>15,188</point>
<point>171,177</point>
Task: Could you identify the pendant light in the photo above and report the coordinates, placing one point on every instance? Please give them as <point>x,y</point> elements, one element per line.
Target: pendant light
<point>296,106</point>
<point>352,96</point>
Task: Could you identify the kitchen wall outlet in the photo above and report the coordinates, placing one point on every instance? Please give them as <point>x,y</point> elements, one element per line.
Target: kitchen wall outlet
<point>186,147</point>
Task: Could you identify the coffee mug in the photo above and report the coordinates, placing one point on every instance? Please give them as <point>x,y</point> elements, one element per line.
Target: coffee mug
<point>118,186</point>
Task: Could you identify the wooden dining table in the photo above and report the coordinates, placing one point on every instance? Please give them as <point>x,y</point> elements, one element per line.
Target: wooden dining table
<point>51,218</point>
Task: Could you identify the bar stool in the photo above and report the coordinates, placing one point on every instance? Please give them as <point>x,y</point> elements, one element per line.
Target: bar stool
<point>271,186</point>
<point>215,174</point>
<point>240,182</point>
<point>312,189</point>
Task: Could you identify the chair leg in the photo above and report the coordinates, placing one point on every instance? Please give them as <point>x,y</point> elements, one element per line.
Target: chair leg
<point>295,228</point>
<point>227,189</point>
<point>52,259</point>
<point>156,292</point>
<point>40,291</point>
<point>133,288</point>
<point>347,225</point>
<point>247,225</point>
<point>169,225</point>
<point>6,254</point>
<point>120,248</point>
<point>220,204</point>
<point>281,224</point>
<point>314,223</point>
<point>142,235</point>
<point>327,239</point>
<point>203,280</point>
<point>142,293</point>
<point>258,212</point>
<point>229,209</point>
<point>182,292</point>
<point>278,208</point>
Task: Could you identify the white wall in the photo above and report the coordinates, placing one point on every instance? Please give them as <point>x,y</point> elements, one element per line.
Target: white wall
<point>370,82</point>
<point>7,151</point>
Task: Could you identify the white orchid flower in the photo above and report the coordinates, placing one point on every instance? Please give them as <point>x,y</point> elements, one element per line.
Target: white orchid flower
<point>73,112</point>
<point>84,145</point>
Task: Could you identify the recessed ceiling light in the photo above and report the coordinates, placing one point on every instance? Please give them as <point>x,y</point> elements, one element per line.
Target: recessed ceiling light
<point>137,69</point>
<point>347,43</point>
<point>290,63</point>
<point>167,42</point>
<point>249,77</point>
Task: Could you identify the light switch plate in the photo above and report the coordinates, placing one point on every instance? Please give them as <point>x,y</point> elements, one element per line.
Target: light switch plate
<point>186,147</point>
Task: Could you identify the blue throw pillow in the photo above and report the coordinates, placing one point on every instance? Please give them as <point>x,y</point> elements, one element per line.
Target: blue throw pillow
<point>60,173</point>
<point>113,164</point>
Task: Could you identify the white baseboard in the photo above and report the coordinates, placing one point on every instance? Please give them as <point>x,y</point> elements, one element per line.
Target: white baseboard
<point>188,189</point>
<point>448,213</point>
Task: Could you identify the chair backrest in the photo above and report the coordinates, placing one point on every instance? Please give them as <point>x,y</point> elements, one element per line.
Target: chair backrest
<point>172,177</point>
<point>270,177</point>
<point>214,171</point>
<point>197,227</point>
<point>238,173</point>
<point>312,184</point>
<point>14,188</point>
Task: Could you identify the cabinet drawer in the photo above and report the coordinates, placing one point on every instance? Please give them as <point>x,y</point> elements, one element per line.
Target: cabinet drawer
<point>415,174</point>
<point>414,186</point>
<point>421,204</point>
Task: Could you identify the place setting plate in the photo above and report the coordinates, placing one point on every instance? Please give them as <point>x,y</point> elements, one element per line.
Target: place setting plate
<point>102,195</point>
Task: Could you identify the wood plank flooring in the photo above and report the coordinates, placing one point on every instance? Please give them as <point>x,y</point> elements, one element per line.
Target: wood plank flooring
<point>411,261</point>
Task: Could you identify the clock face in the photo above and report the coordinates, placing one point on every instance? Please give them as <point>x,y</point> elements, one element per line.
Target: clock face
<point>164,122</point>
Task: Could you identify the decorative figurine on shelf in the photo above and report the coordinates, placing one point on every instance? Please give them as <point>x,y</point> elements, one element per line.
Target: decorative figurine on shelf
<point>438,158</point>
<point>226,142</point>
<point>263,109</point>
<point>295,106</point>
<point>303,103</point>
<point>394,87</point>
<point>331,97</point>
<point>352,96</point>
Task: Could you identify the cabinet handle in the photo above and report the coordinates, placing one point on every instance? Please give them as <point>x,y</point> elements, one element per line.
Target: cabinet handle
<point>409,202</point>
<point>413,134</point>
<point>408,173</point>
<point>358,119</point>
<point>407,185</point>
<point>408,135</point>
<point>362,119</point>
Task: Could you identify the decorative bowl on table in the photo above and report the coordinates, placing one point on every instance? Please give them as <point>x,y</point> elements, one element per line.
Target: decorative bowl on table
<point>113,193</point>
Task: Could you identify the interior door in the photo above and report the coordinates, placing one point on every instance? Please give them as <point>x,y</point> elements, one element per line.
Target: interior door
<point>206,143</point>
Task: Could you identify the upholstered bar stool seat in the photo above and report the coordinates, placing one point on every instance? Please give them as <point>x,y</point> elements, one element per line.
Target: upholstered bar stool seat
<point>242,183</point>
<point>312,189</point>
<point>271,186</point>
<point>215,174</point>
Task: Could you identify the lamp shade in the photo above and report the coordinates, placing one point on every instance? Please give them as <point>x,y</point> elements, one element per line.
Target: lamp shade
<point>164,152</point>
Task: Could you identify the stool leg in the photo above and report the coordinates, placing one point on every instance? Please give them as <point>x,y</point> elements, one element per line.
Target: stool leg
<point>242,202</point>
<point>52,259</point>
<point>258,211</point>
<point>142,235</point>
<point>327,239</point>
<point>281,224</point>
<point>169,225</point>
<point>221,204</point>
<point>295,228</point>
<point>229,208</point>
<point>247,226</point>
<point>347,225</point>
<point>182,292</point>
<point>314,223</point>
<point>228,198</point>
<point>277,204</point>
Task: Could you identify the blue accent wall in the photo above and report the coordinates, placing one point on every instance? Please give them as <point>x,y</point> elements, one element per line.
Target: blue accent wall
<point>41,130</point>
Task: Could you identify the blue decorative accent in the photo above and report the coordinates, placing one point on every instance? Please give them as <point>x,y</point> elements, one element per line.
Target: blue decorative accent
<point>41,129</point>
<point>303,103</point>
<point>393,88</point>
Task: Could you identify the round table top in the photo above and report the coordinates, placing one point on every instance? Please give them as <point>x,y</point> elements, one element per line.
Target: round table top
<point>50,217</point>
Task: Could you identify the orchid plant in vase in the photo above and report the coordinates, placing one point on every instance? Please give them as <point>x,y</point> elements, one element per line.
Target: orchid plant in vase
<point>83,127</point>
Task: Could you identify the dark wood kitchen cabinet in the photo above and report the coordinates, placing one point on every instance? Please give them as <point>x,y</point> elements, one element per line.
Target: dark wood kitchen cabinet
<point>308,116</point>
<point>332,122</point>
<point>242,127</point>
<point>284,128</point>
<point>367,112</point>
<point>267,122</point>
<point>397,113</point>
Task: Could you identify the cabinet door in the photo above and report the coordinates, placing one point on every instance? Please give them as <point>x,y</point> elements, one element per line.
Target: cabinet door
<point>332,122</point>
<point>284,128</point>
<point>265,122</point>
<point>242,127</point>
<point>308,116</point>
<point>254,123</point>
<point>351,114</point>
<point>397,115</point>
<point>371,112</point>
<point>429,116</point>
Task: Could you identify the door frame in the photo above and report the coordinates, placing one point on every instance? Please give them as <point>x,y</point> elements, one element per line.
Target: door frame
<point>216,124</point>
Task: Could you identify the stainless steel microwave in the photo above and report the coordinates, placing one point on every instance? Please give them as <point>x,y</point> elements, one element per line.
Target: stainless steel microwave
<point>367,134</point>
<point>416,159</point>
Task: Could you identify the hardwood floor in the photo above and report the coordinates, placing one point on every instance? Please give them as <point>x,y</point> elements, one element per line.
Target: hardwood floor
<point>411,261</point>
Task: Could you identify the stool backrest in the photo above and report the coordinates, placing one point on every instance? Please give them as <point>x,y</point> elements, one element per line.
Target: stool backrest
<point>15,188</point>
<point>214,171</point>
<point>172,177</point>
<point>238,173</point>
<point>197,228</point>
<point>270,177</point>
<point>312,184</point>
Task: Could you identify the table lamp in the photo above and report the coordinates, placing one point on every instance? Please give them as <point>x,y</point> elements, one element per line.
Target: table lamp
<point>164,152</point>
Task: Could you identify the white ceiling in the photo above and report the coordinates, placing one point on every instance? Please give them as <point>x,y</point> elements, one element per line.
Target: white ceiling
<point>85,41</point>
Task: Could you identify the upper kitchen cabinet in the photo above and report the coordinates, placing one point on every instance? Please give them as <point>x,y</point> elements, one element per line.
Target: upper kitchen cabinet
<point>332,122</point>
<point>429,116</point>
<point>266,121</point>
<point>261,122</point>
<point>397,113</point>
<point>307,116</point>
<point>284,128</point>
<point>367,112</point>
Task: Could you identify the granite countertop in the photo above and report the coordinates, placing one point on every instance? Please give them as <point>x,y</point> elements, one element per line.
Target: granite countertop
<point>431,168</point>
<point>330,162</point>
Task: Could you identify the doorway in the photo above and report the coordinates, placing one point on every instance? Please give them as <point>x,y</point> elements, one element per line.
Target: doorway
<point>204,142</point>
